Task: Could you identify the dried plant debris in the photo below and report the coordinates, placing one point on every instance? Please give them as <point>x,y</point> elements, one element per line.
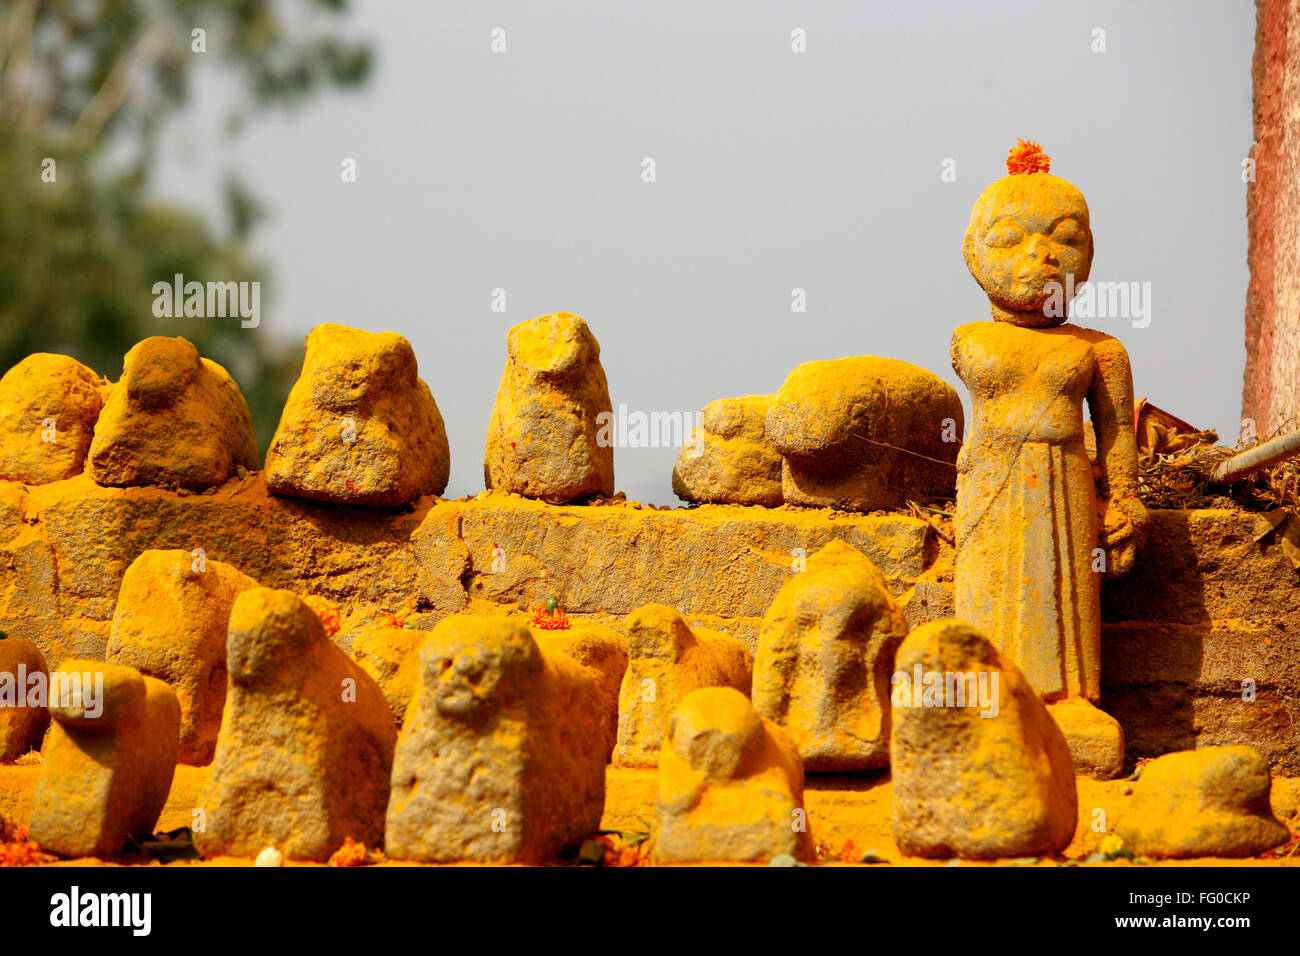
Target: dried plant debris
<point>1181,477</point>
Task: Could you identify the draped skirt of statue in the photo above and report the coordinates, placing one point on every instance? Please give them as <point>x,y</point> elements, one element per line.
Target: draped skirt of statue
<point>1027,569</point>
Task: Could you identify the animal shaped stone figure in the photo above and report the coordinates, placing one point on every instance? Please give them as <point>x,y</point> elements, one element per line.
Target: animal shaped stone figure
<point>1034,532</point>
<point>730,784</point>
<point>22,720</point>
<point>825,658</point>
<point>979,768</point>
<point>305,751</point>
<point>727,458</point>
<point>360,426</point>
<point>667,659</point>
<point>109,758</point>
<point>170,623</point>
<point>864,433</point>
<point>174,419</point>
<point>502,754</point>
<point>550,435</point>
<point>48,408</point>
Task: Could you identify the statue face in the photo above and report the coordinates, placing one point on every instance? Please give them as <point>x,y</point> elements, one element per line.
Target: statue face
<point>475,667</point>
<point>553,346</point>
<point>1026,232</point>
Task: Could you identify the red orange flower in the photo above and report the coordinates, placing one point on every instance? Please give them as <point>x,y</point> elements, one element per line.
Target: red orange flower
<point>558,621</point>
<point>1027,157</point>
<point>351,853</point>
<point>326,610</point>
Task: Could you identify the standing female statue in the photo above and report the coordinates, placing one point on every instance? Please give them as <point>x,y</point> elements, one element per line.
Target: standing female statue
<point>1036,528</point>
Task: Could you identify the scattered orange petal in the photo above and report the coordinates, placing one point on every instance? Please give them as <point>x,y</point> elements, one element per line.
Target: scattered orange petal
<point>619,853</point>
<point>351,853</point>
<point>559,621</point>
<point>22,851</point>
<point>326,610</point>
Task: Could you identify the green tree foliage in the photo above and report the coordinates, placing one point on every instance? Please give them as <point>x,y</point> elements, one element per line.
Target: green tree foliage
<point>89,84</point>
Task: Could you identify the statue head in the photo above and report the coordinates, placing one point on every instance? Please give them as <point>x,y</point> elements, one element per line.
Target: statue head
<point>1028,231</point>
<point>475,665</point>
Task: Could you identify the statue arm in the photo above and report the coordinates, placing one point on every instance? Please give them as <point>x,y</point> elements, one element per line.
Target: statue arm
<point>1110,399</point>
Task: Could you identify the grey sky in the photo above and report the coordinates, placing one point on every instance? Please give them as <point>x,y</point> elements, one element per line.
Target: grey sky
<point>775,170</point>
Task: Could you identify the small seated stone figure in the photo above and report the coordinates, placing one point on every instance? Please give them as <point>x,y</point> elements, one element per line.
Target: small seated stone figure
<point>109,759</point>
<point>666,661</point>
<point>865,433</point>
<point>502,755</point>
<point>1035,530</point>
<point>360,426</point>
<point>545,438</point>
<point>170,623</point>
<point>825,659</point>
<point>727,458</point>
<point>306,745</point>
<point>979,769</point>
<point>174,419</point>
<point>23,719</point>
<point>1208,802</point>
<point>730,785</point>
<point>48,408</point>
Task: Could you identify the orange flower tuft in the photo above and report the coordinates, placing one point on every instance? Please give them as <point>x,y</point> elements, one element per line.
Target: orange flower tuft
<point>1027,157</point>
<point>559,621</point>
<point>351,853</point>
<point>22,851</point>
<point>326,610</point>
<point>620,852</point>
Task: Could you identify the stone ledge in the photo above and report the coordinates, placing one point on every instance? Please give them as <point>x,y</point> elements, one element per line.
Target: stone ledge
<point>65,546</point>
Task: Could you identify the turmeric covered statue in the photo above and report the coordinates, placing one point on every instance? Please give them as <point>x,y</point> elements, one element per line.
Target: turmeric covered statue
<point>1036,528</point>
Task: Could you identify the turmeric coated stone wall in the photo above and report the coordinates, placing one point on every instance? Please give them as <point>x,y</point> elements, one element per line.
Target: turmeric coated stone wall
<point>1209,617</point>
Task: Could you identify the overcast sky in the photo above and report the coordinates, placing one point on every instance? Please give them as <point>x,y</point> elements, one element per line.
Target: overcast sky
<point>775,170</point>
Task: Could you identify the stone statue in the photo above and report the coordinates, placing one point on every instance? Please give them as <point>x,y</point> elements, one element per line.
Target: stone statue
<point>1035,528</point>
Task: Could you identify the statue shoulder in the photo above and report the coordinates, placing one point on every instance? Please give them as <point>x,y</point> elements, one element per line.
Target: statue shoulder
<point>1108,352</point>
<point>964,333</point>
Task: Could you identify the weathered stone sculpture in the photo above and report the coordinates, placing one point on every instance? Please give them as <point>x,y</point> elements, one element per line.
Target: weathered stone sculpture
<point>1030,545</point>
<point>306,745</point>
<point>666,661</point>
<point>360,426</point>
<point>109,759</point>
<point>170,623</point>
<point>825,659</point>
<point>603,651</point>
<point>730,785</point>
<point>727,459</point>
<point>865,433</point>
<point>502,755</point>
<point>23,717</point>
<point>1210,802</point>
<point>48,408</point>
<point>544,440</point>
<point>979,768</point>
<point>174,419</point>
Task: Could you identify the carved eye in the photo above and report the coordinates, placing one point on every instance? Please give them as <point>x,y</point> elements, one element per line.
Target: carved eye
<point>1004,234</point>
<point>1068,232</point>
